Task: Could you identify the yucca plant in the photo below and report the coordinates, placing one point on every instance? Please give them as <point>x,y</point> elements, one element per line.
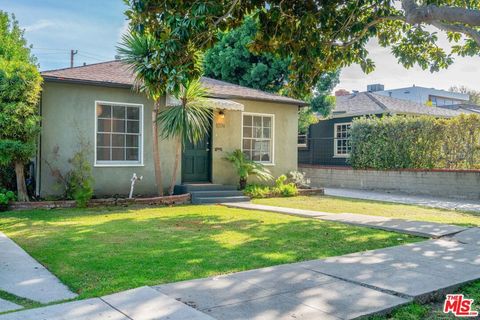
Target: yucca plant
<point>140,53</point>
<point>188,121</point>
<point>246,168</point>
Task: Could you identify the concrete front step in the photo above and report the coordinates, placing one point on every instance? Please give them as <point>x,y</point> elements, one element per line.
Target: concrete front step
<point>216,193</point>
<point>192,187</point>
<point>205,200</point>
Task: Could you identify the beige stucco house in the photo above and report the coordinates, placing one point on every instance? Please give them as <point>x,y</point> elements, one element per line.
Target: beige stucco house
<point>94,107</point>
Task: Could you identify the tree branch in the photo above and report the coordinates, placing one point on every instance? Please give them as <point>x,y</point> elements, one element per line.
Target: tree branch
<point>445,18</point>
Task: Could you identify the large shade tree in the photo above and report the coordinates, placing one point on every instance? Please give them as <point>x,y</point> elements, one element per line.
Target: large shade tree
<point>20,86</point>
<point>317,35</point>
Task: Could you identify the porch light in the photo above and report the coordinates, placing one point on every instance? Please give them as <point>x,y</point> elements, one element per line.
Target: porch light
<point>220,118</point>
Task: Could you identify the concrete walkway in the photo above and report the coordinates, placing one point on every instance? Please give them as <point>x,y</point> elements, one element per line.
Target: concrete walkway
<point>428,201</point>
<point>23,276</point>
<point>344,287</point>
<point>8,306</point>
<point>418,228</point>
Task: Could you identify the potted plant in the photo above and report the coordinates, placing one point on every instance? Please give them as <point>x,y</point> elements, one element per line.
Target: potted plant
<point>246,167</point>
<point>5,198</point>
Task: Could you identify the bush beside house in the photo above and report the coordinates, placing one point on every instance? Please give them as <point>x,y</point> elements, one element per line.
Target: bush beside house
<point>406,142</point>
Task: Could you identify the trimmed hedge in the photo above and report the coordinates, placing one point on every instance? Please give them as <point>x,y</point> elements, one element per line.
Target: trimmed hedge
<point>408,142</point>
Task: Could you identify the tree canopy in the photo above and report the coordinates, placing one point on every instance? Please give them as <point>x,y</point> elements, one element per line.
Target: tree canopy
<point>318,35</point>
<point>231,60</point>
<point>20,86</point>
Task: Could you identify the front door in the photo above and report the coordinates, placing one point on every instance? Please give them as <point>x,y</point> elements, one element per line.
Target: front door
<point>196,161</point>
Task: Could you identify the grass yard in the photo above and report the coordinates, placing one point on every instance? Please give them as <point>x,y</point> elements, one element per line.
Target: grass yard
<point>100,251</point>
<point>433,311</point>
<point>375,208</point>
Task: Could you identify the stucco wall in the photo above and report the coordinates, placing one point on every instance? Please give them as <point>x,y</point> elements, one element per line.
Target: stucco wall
<point>68,117</point>
<point>229,137</point>
<point>455,184</point>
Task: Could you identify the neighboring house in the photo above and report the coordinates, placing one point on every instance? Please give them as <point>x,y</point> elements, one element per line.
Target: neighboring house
<point>422,95</point>
<point>328,140</point>
<point>96,106</point>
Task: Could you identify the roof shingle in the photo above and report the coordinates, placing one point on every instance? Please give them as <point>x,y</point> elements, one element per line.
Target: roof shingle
<point>115,73</point>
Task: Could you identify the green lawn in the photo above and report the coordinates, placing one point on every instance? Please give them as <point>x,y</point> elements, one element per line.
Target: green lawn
<point>433,311</point>
<point>375,208</point>
<point>100,251</point>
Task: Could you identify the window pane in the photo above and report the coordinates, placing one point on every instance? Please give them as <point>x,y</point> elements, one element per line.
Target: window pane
<point>133,113</point>
<point>104,125</point>
<point>257,132</point>
<point>247,144</point>
<point>256,156</point>
<point>265,157</point>
<point>103,140</point>
<point>118,154</point>
<point>133,126</point>
<point>104,111</point>
<point>267,122</point>
<point>248,154</point>
<point>247,121</point>
<point>118,112</point>
<point>103,154</point>
<point>118,140</point>
<point>266,133</point>
<point>132,141</point>
<point>247,132</point>
<point>118,126</point>
<point>257,121</point>
<point>132,154</point>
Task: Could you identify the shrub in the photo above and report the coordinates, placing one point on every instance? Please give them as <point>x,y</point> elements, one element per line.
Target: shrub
<point>299,179</point>
<point>5,198</point>
<point>257,191</point>
<point>395,142</point>
<point>79,179</point>
<point>246,167</point>
<point>283,188</point>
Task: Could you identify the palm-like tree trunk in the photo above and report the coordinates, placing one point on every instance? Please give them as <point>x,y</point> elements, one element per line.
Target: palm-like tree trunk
<point>156,154</point>
<point>22,194</point>
<point>178,152</point>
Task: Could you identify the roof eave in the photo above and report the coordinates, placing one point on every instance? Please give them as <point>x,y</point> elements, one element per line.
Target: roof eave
<point>48,78</point>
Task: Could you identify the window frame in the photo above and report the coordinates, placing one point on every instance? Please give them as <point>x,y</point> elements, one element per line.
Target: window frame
<point>272,135</point>
<point>335,139</point>
<point>116,163</point>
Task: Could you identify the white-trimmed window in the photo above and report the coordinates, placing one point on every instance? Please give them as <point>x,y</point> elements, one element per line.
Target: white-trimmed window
<point>118,134</point>
<point>341,140</point>
<point>257,137</point>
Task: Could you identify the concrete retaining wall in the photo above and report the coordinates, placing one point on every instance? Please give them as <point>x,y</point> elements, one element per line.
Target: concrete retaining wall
<point>463,184</point>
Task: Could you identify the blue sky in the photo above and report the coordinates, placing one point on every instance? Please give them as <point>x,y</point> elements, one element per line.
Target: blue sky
<point>54,27</point>
<point>94,28</point>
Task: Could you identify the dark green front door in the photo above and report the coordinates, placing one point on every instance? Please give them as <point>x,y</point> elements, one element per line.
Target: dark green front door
<point>196,161</point>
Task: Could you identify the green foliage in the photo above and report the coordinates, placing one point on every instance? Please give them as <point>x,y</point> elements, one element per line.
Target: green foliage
<point>20,86</point>
<point>323,101</point>
<point>6,197</point>
<point>257,191</point>
<point>190,119</point>
<point>79,180</point>
<point>415,142</point>
<point>7,177</point>
<point>230,60</point>
<point>306,117</point>
<point>282,188</point>
<point>246,168</point>
<point>318,36</point>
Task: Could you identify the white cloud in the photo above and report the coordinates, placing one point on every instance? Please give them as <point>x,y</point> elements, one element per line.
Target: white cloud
<point>40,25</point>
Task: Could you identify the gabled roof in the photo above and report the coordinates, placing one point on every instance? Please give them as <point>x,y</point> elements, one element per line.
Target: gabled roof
<point>116,74</point>
<point>366,103</point>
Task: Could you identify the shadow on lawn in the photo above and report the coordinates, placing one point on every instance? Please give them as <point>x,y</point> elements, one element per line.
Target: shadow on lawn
<point>96,252</point>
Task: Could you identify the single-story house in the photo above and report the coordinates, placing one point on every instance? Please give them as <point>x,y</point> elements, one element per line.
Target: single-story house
<point>327,142</point>
<point>95,107</point>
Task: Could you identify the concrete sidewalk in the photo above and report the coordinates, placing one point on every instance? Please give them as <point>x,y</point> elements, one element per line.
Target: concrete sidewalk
<point>344,287</point>
<point>417,228</point>
<point>23,276</point>
<point>427,201</point>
